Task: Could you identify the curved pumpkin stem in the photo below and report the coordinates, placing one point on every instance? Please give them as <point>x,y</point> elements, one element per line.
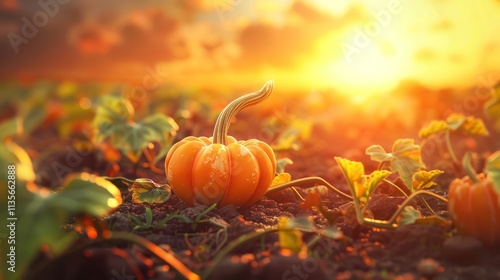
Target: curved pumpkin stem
<point>223,121</point>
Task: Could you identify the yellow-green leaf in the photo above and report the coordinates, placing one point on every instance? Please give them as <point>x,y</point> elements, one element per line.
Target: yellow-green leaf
<point>454,122</point>
<point>373,180</point>
<point>467,124</point>
<point>424,179</point>
<point>289,238</point>
<point>281,179</point>
<point>474,126</point>
<point>147,191</point>
<point>433,128</point>
<point>493,166</point>
<point>354,173</point>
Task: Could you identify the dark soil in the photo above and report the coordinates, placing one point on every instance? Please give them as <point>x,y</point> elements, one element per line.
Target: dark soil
<point>409,252</point>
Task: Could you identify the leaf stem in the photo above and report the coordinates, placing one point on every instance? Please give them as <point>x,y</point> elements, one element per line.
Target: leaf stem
<point>307,182</point>
<point>450,148</point>
<point>469,170</point>
<point>395,186</point>
<point>235,244</point>
<point>151,161</point>
<point>224,120</point>
<point>428,206</point>
<point>391,223</point>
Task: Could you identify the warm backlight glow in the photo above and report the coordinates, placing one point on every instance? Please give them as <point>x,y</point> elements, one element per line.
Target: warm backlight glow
<point>359,48</point>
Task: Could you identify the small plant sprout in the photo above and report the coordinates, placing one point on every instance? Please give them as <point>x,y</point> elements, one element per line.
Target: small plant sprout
<point>468,125</point>
<point>475,201</point>
<point>363,186</point>
<point>148,220</point>
<point>289,236</point>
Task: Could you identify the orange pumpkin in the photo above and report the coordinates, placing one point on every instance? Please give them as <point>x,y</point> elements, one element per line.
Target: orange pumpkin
<point>475,208</point>
<point>220,169</point>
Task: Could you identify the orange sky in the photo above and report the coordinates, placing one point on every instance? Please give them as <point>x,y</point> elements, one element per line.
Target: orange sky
<point>354,47</point>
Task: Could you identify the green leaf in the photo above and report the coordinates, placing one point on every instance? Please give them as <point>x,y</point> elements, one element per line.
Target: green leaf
<point>24,123</point>
<point>289,238</point>
<point>184,218</point>
<point>132,138</point>
<point>88,194</point>
<point>377,153</point>
<point>114,119</point>
<point>422,180</point>
<point>145,190</point>
<point>405,158</point>
<point>493,166</point>
<point>111,111</point>
<point>408,216</point>
<point>41,224</point>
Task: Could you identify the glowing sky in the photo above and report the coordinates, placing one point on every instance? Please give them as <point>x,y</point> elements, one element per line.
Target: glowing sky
<point>351,46</point>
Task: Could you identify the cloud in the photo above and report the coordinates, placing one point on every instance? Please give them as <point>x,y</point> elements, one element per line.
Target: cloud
<point>117,39</point>
<point>106,44</point>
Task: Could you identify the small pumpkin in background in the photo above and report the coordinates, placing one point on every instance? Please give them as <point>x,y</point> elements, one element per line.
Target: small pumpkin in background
<point>474,202</point>
<point>220,169</point>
